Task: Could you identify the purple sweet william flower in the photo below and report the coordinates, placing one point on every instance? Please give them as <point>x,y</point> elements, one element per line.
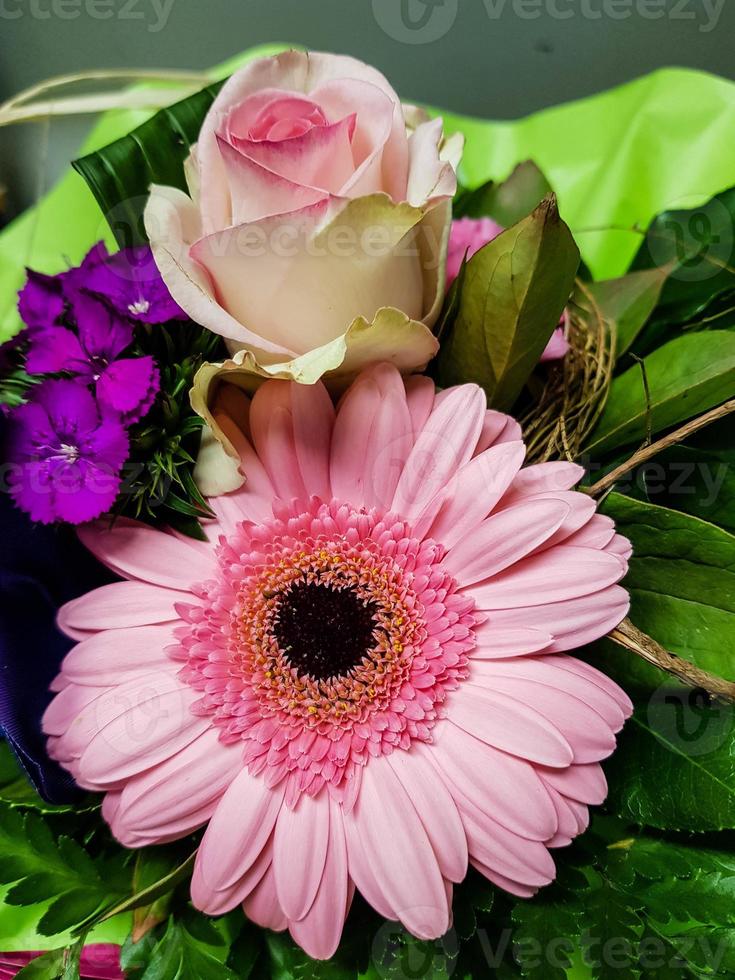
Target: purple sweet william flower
<point>129,281</point>
<point>67,453</point>
<point>128,385</point>
<point>41,300</point>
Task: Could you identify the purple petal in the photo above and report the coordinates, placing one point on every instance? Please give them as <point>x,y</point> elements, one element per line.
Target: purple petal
<point>55,349</point>
<point>132,284</point>
<point>70,406</point>
<point>30,489</point>
<point>108,445</point>
<point>40,301</point>
<point>129,386</point>
<point>103,334</point>
<point>83,490</point>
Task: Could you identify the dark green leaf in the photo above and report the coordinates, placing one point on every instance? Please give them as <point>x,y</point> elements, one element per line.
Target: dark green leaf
<point>179,956</point>
<point>700,243</point>
<point>120,174</point>
<point>686,377</point>
<point>681,581</point>
<point>507,202</point>
<point>513,294</point>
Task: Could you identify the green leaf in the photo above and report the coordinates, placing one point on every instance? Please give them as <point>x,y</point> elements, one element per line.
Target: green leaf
<point>626,303</point>
<point>154,879</point>
<point>686,377</point>
<point>681,581</point>
<point>613,930</point>
<point>507,202</point>
<point>692,479</point>
<point>50,966</point>
<point>42,866</point>
<point>120,174</point>
<point>675,765</point>
<point>699,242</point>
<point>546,934</point>
<point>513,294</point>
<point>179,956</point>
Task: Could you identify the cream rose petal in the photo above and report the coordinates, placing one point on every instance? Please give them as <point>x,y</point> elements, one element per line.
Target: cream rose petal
<point>390,336</point>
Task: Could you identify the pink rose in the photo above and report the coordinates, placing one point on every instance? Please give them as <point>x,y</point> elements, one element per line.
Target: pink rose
<point>316,221</point>
<point>468,235</point>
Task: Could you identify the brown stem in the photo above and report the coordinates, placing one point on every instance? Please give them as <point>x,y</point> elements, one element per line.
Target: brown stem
<point>647,452</point>
<point>629,636</point>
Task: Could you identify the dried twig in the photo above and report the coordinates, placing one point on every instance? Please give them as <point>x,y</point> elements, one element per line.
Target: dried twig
<point>647,452</point>
<point>629,636</point>
<point>572,400</point>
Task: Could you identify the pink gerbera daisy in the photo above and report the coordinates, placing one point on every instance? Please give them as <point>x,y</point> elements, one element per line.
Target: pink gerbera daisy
<point>360,680</point>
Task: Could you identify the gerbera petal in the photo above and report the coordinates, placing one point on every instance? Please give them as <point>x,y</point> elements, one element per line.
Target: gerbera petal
<point>572,622</point>
<point>120,605</point>
<point>137,551</point>
<point>515,796</point>
<point>436,810</point>
<point>552,576</point>
<point>503,539</point>
<point>589,735</point>
<point>510,725</point>
<point>554,672</point>
<point>240,828</point>
<point>553,476</point>
<point>156,721</point>
<point>401,854</point>
<point>479,485</point>
<point>262,905</point>
<point>497,428</point>
<point>181,793</point>
<point>300,841</point>
<point>320,930</point>
<point>498,641</point>
<point>506,853</point>
<point>446,443</point>
<point>106,659</point>
<point>586,784</point>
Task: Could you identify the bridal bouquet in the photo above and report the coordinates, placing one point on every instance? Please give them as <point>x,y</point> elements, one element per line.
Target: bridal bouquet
<point>374,519</point>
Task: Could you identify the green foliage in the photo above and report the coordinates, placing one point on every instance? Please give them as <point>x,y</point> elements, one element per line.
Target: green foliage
<point>160,487</point>
<point>41,866</point>
<point>627,303</point>
<point>699,243</point>
<point>186,946</point>
<point>513,293</point>
<point>681,581</point>
<point>508,202</point>
<point>120,174</point>
<point>685,377</point>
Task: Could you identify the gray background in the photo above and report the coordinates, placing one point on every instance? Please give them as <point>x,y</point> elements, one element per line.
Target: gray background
<point>493,58</point>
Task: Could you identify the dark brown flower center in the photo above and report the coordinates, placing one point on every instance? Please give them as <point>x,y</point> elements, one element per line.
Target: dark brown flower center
<point>322,631</point>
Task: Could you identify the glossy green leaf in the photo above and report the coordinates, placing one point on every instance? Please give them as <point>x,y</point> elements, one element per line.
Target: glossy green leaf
<point>681,581</point>
<point>686,377</point>
<point>120,174</point>
<point>675,765</point>
<point>513,294</point>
